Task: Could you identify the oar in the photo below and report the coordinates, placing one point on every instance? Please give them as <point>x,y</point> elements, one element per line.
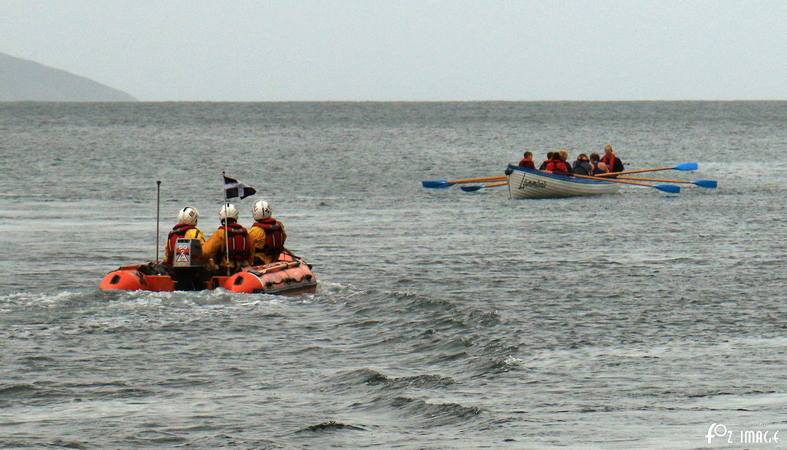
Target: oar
<point>668,188</point>
<point>442,183</point>
<point>476,187</point>
<point>709,184</point>
<point>681,166</point>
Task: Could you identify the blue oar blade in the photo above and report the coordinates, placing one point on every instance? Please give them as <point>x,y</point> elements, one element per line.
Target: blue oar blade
<point>435,183</point>
<point>470,188</point>
<point>668,188</point>
<point>710,184</point>
<point>687,166</point>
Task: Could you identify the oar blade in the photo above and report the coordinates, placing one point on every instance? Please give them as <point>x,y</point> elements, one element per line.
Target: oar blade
<point>470,188</point>
<point>435,184</point>
<point>668,188</point>
<point>709,184</point>
<point>687,166</point>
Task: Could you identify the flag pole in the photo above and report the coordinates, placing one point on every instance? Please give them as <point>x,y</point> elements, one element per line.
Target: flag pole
<point>158,214</point>
<point>226,224</point>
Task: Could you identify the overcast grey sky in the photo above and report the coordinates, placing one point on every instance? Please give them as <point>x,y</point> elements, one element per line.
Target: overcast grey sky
<point>410,50</point>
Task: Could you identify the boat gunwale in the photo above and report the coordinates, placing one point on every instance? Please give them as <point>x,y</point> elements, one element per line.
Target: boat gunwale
<point>557,176</point>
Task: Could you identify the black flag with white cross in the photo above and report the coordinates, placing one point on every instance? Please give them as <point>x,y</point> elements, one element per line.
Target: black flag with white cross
<point>232,188</point>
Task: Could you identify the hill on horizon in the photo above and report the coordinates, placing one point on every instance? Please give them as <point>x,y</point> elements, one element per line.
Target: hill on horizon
<point>24,80</point>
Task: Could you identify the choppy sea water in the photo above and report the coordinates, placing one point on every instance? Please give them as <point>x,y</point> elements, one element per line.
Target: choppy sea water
<point>442,319</point>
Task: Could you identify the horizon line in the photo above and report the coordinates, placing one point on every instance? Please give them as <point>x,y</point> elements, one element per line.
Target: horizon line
<point>422,101</point>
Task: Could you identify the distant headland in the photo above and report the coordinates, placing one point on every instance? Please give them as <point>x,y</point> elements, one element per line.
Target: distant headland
<point>23,80</point>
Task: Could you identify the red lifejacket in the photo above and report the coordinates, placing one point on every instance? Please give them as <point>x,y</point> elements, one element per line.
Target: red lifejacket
<point>178,231</point>
<point>238,242</point>
<point>557,165</point>
<point>609,160</point>
<point>274,236</point>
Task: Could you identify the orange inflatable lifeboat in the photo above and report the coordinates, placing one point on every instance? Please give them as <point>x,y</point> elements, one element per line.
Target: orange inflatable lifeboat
<point>289,275</point>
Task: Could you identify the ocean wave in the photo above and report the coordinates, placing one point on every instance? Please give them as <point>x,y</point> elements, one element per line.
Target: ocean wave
<point>43,299</point>
<point>332,289</point>
<point>372,377</point>
<point>419,381</point>
<point>511,362</point>
<point>434,414</point>
<point>16,389</point>
<point>60,443</point>
<point>331,425</point>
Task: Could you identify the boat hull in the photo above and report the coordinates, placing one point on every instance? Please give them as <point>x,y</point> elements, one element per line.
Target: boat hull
<point>291,276</point>
<point>530,183</point>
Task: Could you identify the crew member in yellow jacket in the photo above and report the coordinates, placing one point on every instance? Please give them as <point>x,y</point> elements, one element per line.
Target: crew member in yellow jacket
<point>185,229</point>
<point>267,234</point>
<point>240,246</point>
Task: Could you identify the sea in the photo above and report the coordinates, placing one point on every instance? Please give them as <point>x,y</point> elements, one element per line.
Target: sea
<point>442,319</point>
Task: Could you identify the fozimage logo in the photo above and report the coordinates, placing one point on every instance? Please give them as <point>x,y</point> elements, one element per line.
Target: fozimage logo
<point>719,430</point>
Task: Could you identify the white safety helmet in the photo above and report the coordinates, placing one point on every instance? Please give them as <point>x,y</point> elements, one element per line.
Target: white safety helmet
<point>261,210</point>
<point>228,210</point>
<point>188,215</point>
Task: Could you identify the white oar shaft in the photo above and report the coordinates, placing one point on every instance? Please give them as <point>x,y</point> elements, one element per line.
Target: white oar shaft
<point>614,180</point>
<point>657,180</point>
<point>614,174</point>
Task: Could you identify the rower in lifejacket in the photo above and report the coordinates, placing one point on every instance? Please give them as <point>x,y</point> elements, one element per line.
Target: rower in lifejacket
<point>527,160</point>
<point>613,163</point>
<point>557,165</point>
<point>598,166</point>
<point>186,228</point>
<point>237,240</point>
<point>267,234</point>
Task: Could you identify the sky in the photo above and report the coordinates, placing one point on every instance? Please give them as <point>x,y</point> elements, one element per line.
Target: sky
<point>410,50</point>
